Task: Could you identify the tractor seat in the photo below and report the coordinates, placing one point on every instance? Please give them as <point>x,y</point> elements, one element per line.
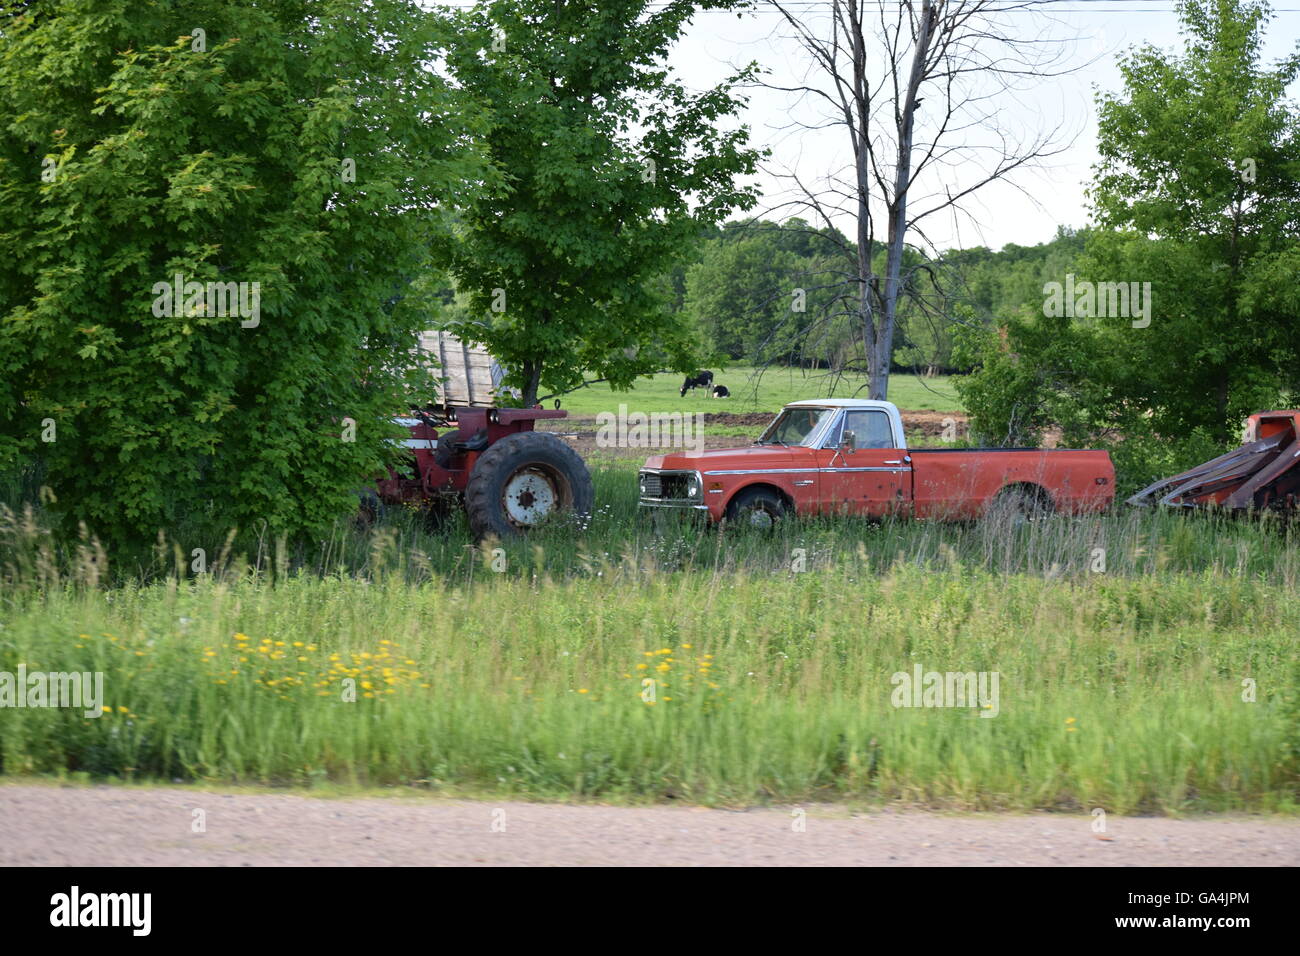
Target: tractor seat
<point>455,443</point>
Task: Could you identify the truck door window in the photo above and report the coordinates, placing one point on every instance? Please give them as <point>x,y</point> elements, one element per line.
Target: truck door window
<point>871,429</point>
<point>793,426</point>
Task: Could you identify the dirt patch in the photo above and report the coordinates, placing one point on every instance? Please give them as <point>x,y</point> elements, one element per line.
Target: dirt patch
<point>926,421</point>
<point>934,424</point>
<point>739,418</point>
<point>580,430</point>
<point>108,826</point>
<point>584,442</point>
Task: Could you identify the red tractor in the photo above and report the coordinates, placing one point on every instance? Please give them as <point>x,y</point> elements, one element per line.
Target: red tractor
<point>464,448</point>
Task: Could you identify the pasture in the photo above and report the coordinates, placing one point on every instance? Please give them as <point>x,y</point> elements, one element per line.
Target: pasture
<point>765,392</point>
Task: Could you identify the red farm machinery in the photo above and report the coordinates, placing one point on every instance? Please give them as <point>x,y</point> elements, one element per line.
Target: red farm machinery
<point>466,450</point>
<point>1261,475</point>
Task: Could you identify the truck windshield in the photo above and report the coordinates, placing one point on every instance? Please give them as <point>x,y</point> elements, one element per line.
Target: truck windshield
<point>793,426</point>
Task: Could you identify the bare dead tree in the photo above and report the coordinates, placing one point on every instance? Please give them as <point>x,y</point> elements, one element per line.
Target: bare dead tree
<point>872,65</point>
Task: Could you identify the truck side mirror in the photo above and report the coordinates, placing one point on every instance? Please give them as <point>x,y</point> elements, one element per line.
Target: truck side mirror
<point>849,442</point>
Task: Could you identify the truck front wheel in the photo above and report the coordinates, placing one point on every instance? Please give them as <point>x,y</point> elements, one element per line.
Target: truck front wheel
<point>757,508</point>
<point>521,481</point>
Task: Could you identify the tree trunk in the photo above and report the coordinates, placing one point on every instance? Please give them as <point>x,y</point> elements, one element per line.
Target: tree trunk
<point>866,285</point>
<point>1222,392</point>
<point>947,48</point>
<point>898,208</point>
<point>532,382</point>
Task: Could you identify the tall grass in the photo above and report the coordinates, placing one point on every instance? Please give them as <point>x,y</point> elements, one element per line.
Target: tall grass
<point>1124,693</point>
<point>1128,542</point>
<point>771,656</point>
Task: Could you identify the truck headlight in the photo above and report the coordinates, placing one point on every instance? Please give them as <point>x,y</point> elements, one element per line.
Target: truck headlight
<point>692,488</point>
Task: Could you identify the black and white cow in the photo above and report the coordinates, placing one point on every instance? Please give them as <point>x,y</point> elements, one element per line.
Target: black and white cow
<point>721,391</point>
<point>700,380</point>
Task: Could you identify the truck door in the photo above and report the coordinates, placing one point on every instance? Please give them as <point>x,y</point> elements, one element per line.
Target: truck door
<point>875,479</point>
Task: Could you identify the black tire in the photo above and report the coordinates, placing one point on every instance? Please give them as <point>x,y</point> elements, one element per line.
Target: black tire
<point>1019,505</point>
<point>371,510</point>
<point>511,482</point>
<point>759,509</point>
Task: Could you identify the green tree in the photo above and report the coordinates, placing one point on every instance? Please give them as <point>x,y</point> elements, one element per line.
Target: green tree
<point>305,147</point>
<point>612,168</point>
<point>740,294</point>
<point>1198,193</point>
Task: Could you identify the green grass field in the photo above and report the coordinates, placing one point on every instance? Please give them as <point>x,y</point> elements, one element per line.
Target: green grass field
<point>523,672</point>
<point>760,393</point>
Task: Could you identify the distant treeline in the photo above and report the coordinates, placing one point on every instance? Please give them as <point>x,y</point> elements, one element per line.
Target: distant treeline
<point>775,292</point>
<point>762,291</point>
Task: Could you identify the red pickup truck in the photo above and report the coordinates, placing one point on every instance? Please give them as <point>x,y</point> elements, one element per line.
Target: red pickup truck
<point>837,456</point>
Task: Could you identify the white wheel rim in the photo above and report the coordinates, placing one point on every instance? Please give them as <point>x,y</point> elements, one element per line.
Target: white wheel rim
<point>759,518</point>
<point>529,497</point>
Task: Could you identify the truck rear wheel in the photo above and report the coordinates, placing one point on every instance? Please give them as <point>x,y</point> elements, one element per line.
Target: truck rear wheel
<point>523,480</point>
<point>1017,505</point>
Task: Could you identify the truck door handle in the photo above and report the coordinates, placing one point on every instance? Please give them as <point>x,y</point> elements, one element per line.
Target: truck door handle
<point>894,461</point>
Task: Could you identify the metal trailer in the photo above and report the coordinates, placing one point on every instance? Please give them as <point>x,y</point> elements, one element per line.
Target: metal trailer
<point>1258,476</point>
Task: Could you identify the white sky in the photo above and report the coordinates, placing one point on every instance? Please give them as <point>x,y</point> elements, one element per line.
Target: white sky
<point>1002,214</point>
<point>1041,199</point>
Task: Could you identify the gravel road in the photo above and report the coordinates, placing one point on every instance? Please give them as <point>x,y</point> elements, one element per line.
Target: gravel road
<point>48,825</point>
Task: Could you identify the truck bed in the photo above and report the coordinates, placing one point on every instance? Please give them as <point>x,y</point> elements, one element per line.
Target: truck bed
<point>954,483</point>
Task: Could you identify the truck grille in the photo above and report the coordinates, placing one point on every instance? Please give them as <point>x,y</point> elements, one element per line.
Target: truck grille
<point>667,486</point>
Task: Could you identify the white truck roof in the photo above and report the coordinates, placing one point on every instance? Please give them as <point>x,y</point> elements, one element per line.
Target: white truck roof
<point>843,403</point>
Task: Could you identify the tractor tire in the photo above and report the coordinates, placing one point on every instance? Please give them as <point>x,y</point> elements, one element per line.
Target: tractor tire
<point>758,509</point>
<point>521,481</point>
<point>371,510</point>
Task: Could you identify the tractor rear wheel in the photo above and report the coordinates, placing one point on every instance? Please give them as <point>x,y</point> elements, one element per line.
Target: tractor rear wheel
<point>523,480</point>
